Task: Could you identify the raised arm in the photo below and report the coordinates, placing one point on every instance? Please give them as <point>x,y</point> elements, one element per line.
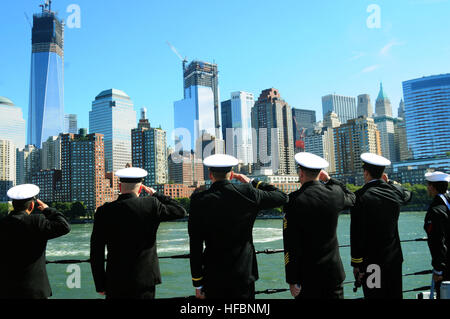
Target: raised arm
<point>51,223</point>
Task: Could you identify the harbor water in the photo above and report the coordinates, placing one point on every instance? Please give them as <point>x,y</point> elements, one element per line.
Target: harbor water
<point>173,239</point>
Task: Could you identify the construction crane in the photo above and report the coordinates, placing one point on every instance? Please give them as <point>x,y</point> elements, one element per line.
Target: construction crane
<point>28,19</point>
<point>184,60</point>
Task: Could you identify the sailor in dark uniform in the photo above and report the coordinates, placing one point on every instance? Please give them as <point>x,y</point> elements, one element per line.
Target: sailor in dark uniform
<point>311,251</point>
<point>222,218</point>
<point>375,244</point>
<point>23,241</point>
<point>437,226</point>
<point>127,227</point>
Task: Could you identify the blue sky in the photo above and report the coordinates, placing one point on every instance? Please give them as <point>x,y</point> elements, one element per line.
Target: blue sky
<point>305,49</point>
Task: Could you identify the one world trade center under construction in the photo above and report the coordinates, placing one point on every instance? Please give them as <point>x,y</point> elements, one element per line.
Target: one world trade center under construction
<point>46,108</point>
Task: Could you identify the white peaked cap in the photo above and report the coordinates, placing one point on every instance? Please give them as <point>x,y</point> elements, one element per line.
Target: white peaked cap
<point>375,159</point>
<point>220,160</point>
<point>311,161</point>
<point>437,177</point>
<point>24,191</point>
<point>131,173</point>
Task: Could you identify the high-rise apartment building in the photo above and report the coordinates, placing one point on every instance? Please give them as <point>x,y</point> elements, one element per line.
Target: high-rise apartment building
<point>7,161</point>
<point>199,111</point>
<point>149,151</point>
<point>185,168</point>
<point>46,108</point>
<point>113,115</point>
<point>343,106</point>
<point>237,126</point>
<point>12,124</point>
<point>83,176</point>
<point>353,138</point>
<point>272,120</point>
<point>427,104</point>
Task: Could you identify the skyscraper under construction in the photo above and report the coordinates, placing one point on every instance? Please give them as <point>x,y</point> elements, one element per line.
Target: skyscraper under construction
<point>46,105</point>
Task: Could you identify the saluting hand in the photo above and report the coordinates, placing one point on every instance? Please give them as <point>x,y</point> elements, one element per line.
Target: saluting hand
<point>41,205</point>
<point>148,190</point>
<point>240,177</point>
<point>323,176</point>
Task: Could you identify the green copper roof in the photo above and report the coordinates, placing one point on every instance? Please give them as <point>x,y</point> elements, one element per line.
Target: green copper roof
<point>5,100</point>
<point>382,95</point>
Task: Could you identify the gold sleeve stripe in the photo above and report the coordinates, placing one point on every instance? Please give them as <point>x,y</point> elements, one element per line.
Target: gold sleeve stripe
<point>357,260</point>
<point>257,185</point>
<point>197,279</point>
<point>286,258</point>
<point>284,223</point>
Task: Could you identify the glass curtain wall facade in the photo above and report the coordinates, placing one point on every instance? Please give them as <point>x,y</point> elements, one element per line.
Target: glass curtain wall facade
<point>199,112</point>
<point>343,106</point>
<point>113,115</point>
<point>427,116</point>
<point>237,116</point>
<point>46,108</point>
<point>12,124</point>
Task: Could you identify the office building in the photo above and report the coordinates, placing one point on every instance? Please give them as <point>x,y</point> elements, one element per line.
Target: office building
<point>402,151</point>
<point>343,106</point>
<point>49,183</point>
<point>12,124</point>
<point>237,126</point>
<point>51,153</point>
<point>199,111</point>
<point>272,120</point>
<point>28,162</point>
<point>364,107</point>
<point>303,123</point>
<point>149,151</point>
<point>383,104</point>
<point>46,108</point>
<point>70,123</point>
<point>427,104</point>
<point>113,115</point>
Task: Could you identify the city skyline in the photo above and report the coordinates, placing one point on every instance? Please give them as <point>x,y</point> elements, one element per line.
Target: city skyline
<point>370,55</point>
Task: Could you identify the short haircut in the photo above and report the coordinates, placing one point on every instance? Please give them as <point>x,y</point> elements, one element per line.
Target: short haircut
<point>374,171</point>
<point>219,175</point>
<point>22,204</point>
<point>310,173</point>
<point>440,187</point>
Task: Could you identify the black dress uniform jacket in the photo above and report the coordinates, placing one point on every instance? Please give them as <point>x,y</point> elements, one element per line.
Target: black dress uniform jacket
<point>128,227</point>
<point>374,235</point>
<point>309,231</point>
<point>222,217</point>
<point>23,241</point>
<point>437,227</point>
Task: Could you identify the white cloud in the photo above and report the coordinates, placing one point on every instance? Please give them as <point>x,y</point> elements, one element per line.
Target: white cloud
<point>370,68</point>
<point>385,50</point>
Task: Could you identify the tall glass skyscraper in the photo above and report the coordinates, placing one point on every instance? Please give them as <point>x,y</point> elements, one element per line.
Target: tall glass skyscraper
<point>199,111</point>
<point>70,123</point>
<point>113,115</point>
<point>46,108</point>
<point>427,105</point>
<point>237,116</point>
<point>12,124</point>
<point>343,106</point>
